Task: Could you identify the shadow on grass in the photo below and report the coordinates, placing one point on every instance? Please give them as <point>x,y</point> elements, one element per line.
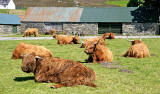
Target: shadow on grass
<point>20,79</point>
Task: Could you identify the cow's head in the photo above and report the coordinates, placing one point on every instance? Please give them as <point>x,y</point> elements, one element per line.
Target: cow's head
<point>106,35</point>
<point>15,55</point>
<point>29,63</point>
<point>135,42</point>
<point>76,40</point>
<point>55,36</point>
<point>91,48</point>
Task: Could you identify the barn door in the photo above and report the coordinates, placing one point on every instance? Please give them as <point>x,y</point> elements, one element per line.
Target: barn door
<point>14,29</point>
<point>109,27</point>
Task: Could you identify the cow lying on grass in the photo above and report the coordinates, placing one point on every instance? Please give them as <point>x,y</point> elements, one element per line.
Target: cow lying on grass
<point>61,71</point>
<point>24,48</point>
<point>98,52</point>
<point>50,32</point>
<point>91,41</point>
<point>64,39</point>
<point>138,49</point>
<point>31,31</point>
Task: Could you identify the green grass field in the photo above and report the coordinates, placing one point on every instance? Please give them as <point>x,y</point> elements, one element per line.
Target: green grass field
<point>145,80</point>
<point>122,3</point>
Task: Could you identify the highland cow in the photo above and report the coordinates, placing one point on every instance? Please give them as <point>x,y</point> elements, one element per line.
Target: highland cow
<point>50,32</point>
<point>24,48</point>
<point>138,49</point>
<point>64,39</point>
<point>98,52</point>
<point>91,41</point>
<point>61,71</point>
<point>31,31</point>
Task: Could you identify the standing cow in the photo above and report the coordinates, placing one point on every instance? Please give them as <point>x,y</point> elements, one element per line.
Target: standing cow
<point>31,31</point>
<point>98,52</point>
<point>50,32</point>
<point>61,71</point>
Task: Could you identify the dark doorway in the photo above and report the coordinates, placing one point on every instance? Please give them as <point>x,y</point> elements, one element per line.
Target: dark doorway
<point>109,27</point>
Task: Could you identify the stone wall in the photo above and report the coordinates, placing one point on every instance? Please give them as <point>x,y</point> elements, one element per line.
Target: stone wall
<point>39,26</point>
<point>139,28</point>
<point>6,28</point>
<point>80,28</point>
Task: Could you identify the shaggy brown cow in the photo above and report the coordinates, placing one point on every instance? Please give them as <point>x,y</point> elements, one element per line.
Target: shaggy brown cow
<point>61,71</point>
<point>98,53</point>
<point>24,48</point>
<point>31,31</point>
<point>50,32</point>
<point>138,49</point>
<point>91,41</point>
<point>64,39</point>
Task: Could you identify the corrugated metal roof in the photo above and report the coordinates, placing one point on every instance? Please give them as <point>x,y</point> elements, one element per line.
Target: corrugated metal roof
<point>88,14</point>
<point>53,14</point>
<point>9,19</point>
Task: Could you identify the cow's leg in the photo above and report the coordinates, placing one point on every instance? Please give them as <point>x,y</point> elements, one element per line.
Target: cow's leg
<point>57,86</point>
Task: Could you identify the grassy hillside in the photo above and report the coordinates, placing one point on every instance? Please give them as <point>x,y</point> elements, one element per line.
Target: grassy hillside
<point>144,80</point>
<point>122,3</point>
<point>12,11</point>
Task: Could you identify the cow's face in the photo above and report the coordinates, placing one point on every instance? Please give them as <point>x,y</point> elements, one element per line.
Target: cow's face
<point>28,63</point>
<point>76,39</point>
<point>135,42</point>
<point>15,55</point>
<point>54,36</point>
<point>89,49</point>
<point>106,35</point>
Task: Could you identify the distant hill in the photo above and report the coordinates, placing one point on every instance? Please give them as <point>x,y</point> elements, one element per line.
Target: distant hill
<point>61,3</point>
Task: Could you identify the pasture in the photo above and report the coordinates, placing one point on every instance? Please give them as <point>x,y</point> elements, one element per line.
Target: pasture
<point>144,80</point>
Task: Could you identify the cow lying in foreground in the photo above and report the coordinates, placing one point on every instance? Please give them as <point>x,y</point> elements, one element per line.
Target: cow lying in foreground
<point>64,39</point>
<point>91,41</point>
<point>61,71</point>
<point>31,31</point>
<point>138,49</point>
<point>98,52</point>
<point>50,32</point>
<point>24,48</point>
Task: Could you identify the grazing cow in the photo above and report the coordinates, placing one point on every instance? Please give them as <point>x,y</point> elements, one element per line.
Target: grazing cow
<point>24,48</point>
<point>64,39</point>
<point>138,49</point>
<point>31,31</point>
<point>98,53</point>
<point>50,32</point>
<point>61,71</point>
<point>91,41</point>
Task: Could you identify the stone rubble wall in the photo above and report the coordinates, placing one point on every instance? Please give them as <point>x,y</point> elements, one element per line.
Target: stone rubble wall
<point>6,28</point>
<point>139,28</point>
<point>80,28</point>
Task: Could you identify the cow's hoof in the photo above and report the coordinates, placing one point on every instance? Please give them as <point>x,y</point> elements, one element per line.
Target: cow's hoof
<point>53,87</point>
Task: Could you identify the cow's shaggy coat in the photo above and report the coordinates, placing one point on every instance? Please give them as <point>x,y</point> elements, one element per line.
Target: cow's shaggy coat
<point>61,71</point>
<point>138,49</point>
<point>31,31</point>
<point>64,39</point>
<point>50,32</point>
<point>24,48</point>
<point>98,53</point>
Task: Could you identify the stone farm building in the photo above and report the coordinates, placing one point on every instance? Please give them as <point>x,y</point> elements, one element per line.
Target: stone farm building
<point>91,21</point>
<point>9,23</point>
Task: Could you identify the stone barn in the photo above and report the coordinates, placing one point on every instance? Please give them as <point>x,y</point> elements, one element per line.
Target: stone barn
<point>92,20</point>
<point>9,23</point>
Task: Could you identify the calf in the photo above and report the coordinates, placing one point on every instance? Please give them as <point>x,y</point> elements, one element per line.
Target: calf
<point>24,48</point>
<point>61,71</point>
<point>138,49</point>
<point>50,32</point>
<point>98,53</point>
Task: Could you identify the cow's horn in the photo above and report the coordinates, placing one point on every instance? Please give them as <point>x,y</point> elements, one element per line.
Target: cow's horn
<point>37,57</point>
